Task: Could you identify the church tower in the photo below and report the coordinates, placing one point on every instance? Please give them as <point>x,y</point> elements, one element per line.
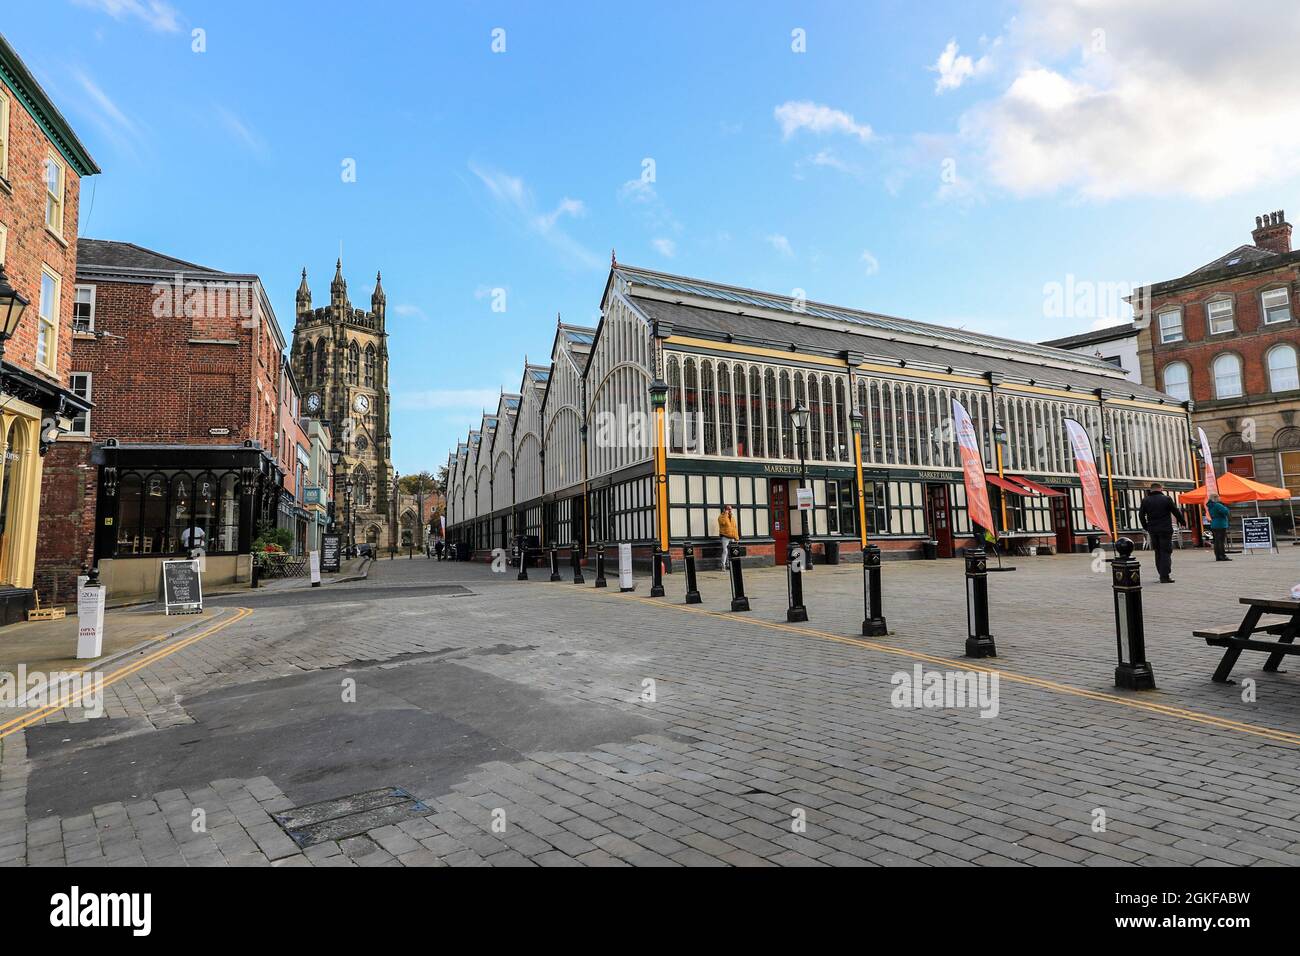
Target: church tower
<point>340,357</point>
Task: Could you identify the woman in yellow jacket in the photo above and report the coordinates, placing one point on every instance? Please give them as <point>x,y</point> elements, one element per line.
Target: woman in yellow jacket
<point>727,533</point>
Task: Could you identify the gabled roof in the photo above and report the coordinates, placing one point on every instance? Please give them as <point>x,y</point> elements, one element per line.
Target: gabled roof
<point>1242,254</point>
<point>741,301</point>
<point>110,254</point>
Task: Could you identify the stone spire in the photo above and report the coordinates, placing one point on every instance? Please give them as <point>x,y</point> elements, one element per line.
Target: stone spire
<point>378,296</point>
<point>339,287</point>
<point>304,293</point>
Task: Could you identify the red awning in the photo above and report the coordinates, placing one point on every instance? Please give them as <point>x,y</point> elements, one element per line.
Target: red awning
<point>1035,487</point>
<point>1004,485</point>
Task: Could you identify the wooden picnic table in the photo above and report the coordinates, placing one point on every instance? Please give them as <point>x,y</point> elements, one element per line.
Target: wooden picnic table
<point>1284,625</point>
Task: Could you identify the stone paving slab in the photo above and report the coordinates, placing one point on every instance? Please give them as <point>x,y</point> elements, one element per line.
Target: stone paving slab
<point>776,746</point>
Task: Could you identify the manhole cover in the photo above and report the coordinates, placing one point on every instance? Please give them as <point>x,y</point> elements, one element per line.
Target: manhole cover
<point>349,816</point>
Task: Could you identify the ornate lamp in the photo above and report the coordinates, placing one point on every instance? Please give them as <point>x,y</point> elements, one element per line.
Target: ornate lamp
<point>12,306</point>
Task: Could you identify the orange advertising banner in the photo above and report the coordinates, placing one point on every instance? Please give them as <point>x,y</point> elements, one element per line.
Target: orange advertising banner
<point>1094,502</point>
<point>972,467</point>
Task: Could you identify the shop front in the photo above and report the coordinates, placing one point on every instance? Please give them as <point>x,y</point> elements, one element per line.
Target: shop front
<point>158,502</point>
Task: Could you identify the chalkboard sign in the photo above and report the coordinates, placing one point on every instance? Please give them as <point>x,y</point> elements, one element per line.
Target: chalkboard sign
<point>329,553</point>
<point>182,587</point>
<point>1257,534</point>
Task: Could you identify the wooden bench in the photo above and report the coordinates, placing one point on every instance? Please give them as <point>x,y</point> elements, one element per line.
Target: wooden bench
<point>1284,624</point>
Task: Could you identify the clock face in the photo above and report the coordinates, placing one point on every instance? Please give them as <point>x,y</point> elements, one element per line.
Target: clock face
<point>361,403</point>
<point>313,402</point>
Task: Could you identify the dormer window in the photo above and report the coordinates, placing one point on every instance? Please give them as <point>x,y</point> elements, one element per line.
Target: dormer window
<point>1219,313</point>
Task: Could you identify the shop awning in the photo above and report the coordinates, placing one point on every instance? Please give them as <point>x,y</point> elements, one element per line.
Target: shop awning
<point>1004,484</point>
<point>1035,488</point>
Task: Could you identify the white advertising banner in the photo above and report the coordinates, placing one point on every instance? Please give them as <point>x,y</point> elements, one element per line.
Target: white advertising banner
<point>90,622</point>
<point>625,567</point>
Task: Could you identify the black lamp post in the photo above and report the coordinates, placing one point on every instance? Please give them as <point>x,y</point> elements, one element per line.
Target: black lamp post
<point>799,416</point>
<point>659,401</point>
<point>12,306</point>
<point>336,452</point>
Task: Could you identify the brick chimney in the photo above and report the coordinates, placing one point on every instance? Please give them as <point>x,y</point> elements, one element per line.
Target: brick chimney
<point>1272,232</point>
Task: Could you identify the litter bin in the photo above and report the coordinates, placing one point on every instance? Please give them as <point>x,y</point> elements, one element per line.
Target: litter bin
<point>930,550</point>
<point>831,552</point>
<point>1094,542</point>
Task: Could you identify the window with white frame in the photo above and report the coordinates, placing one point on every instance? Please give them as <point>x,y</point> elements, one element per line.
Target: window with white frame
<point>47,333</point>
<point>1219,314</point>
<point>80,384</point>
<point>1178,381</point>
<point>1171,326</point>
<point>55,176</point>
<point>1276,304</point>
<point>1282,375</point>
<point>1227,376</point>
<point>83,309</point>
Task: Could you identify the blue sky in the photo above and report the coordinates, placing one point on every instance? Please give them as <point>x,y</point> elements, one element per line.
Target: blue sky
<point>941,161</point>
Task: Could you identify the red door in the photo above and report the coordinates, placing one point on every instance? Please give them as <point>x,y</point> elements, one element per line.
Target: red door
<point>939,518</point>
<point>778,496</point>
<point>1061,525</point>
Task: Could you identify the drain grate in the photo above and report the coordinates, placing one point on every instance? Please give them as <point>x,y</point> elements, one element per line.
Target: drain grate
<point>349,816</point>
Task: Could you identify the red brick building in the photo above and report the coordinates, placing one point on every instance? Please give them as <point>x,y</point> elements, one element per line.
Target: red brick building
<point>1225,336</point>
<point>42,163</point>
<point>183,364</point>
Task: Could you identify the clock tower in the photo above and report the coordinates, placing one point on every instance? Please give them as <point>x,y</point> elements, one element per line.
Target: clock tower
<point>340,357</point>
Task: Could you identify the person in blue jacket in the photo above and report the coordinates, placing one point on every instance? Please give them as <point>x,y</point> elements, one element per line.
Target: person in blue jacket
<point>1219,528</point>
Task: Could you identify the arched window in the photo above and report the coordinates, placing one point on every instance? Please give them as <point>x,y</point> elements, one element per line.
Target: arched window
<point>354,360</point>
<point>727,439</point>
<point>322,350</point>
<point>1227,376</point>
<point>675,429</point>
<point>1178,381</point>
<point>181,510</point>
<point>370,366</point>
<point>785,403</point>
<point>1282,375</point>
<point>707,397</point>
<point>361,488</point>
<point>692,407</point>
<point>743,446</point>
<point>130,494</point>
<point>372,534</point>
<point>308,363</point>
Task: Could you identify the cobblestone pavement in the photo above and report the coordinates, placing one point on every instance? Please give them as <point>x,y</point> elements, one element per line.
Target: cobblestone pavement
<point>551,724</point>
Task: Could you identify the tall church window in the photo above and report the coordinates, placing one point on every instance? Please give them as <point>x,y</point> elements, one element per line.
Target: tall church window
<point>308,358</point>
<point>321,351</point>
<point>370,366</point>
<point>354,360</point>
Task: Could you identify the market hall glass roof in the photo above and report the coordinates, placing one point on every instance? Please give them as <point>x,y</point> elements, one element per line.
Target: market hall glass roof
<point>883,323</point>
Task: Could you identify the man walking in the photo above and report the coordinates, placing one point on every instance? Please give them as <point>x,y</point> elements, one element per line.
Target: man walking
<point>727,533</point>
<point>1158,514</point>
<point>1219,527</point>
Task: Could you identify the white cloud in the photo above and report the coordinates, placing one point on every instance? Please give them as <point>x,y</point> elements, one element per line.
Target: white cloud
<point>119,128</point>
<point>1109,98</point>
<point>780,243</point>
<point>665,247</point>
<point>155,14</point>
<point>448,398</point>
<point>955,68</point>
<point>870,262</point>
<point>241,131</point>
<point>816,118</point>
<point>516,200</point>
<point>408,311</point>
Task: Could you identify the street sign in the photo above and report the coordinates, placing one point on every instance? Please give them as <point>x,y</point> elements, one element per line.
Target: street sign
<point>804,499</point>
<point>182,586</point>
<point>329,553</point>
<point>1257,534</point>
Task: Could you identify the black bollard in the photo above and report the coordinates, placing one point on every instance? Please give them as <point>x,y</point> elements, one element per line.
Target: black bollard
<point>523,561</point>
<point>576,555</point>
<point>1126,581</point>
<point>600,566</point>
<point>252,579</point>
<point>555,562</point>
<point>738,600</point>
<point>873,625</point>
<point>657,585</point>
<point>794,568</point>
<point>692,586</point>
<point>979,642</point>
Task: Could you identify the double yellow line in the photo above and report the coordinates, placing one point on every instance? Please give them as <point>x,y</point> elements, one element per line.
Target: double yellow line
<point>1178,713</point>
<point>72,698</point>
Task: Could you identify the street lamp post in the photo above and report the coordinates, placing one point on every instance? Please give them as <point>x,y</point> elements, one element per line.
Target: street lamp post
<point>659,400</point>
<point>1001,440</point>
<point>12,306</point>
<point>798,556</point>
